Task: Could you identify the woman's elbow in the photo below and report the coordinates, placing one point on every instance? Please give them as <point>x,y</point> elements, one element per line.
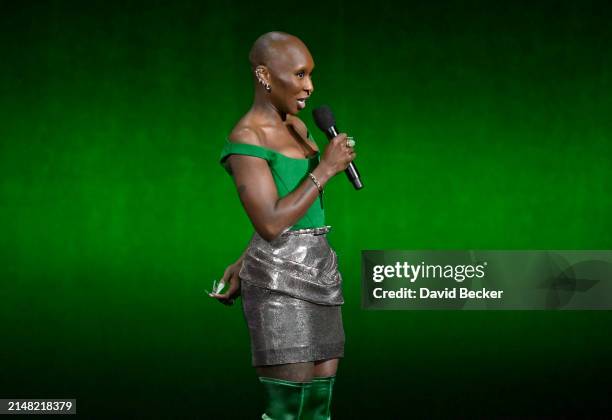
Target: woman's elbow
<point>269,232</point>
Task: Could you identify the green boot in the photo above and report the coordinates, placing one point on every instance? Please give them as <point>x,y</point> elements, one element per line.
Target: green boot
<point>286,399</point>
<point>318,405</point>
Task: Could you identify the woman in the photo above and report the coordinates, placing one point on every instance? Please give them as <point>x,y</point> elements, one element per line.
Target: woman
<point>287,277</point>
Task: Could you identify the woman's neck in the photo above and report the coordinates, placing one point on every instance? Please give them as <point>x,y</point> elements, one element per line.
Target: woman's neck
<point>266,112</point>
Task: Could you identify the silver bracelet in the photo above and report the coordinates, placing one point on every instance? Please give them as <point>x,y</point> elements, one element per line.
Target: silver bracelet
<point>316,182</point>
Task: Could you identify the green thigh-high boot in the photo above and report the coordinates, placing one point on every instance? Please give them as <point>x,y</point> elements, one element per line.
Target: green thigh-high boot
<point>286,399</point>
<point>318,405</point>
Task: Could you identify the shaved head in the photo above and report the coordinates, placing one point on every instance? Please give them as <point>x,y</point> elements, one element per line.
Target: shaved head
<point>271,46</point>
<point>281,68</point>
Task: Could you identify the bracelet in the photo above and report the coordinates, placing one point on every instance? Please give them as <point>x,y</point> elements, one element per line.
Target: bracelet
<point>316,182</point>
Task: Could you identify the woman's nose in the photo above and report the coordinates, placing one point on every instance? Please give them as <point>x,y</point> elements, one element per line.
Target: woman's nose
<point>308,86</point>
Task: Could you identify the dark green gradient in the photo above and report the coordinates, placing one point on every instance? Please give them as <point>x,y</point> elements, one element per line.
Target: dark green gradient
<point>478,126</point>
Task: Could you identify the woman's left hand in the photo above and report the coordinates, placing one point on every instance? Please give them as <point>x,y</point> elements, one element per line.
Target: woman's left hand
<point>229,276</point>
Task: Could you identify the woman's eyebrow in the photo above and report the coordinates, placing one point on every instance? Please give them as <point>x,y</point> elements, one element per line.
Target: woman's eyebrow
<point>304,69</point>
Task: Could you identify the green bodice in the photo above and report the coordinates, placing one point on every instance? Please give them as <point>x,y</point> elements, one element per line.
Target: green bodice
<point>287,172</point>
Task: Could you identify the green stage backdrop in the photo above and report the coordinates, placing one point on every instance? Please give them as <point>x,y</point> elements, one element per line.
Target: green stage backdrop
<point>479,125</point>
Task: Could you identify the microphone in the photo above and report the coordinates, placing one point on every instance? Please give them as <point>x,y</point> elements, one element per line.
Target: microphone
<point>324,118</point>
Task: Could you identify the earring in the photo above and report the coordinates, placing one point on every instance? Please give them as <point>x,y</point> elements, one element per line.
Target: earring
<point>265,85</point>
<point>260,80</point>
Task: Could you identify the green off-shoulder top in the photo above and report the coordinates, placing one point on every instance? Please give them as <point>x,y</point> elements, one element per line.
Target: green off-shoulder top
<point>287,172</point>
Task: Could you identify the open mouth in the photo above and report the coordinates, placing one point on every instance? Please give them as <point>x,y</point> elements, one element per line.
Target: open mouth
<point>301,103</point>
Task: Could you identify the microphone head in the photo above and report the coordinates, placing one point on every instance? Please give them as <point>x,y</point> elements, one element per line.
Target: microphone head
<point>324,118</point>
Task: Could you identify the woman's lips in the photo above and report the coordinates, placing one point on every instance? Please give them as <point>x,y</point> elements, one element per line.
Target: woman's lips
<point>301,103</point>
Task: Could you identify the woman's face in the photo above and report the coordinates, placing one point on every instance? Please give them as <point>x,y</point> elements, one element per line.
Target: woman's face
<point>291,78</point>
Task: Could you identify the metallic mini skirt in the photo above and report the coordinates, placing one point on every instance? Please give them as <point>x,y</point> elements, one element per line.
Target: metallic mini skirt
<point>291,296</point>
<point>298,263</point>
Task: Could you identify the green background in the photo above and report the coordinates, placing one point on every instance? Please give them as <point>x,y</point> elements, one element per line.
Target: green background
<point>479,126</point>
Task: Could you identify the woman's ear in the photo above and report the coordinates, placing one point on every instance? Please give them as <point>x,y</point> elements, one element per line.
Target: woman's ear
<point>262,75</point>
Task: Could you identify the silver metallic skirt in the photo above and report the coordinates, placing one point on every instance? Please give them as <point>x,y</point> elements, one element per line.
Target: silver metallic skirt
<point>291,296</point>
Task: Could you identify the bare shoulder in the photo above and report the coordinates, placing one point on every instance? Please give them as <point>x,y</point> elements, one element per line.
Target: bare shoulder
<point>246,133</point>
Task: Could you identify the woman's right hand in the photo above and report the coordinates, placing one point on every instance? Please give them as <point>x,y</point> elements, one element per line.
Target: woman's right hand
<point>337,155</point>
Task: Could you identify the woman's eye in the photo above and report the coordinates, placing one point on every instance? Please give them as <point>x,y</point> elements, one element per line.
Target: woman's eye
<point>300,74</point>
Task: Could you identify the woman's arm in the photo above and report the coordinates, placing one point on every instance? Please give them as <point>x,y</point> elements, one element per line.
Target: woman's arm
<point>270,214</point>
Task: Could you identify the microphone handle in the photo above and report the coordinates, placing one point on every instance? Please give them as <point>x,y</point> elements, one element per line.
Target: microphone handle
<point>351,171</point>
